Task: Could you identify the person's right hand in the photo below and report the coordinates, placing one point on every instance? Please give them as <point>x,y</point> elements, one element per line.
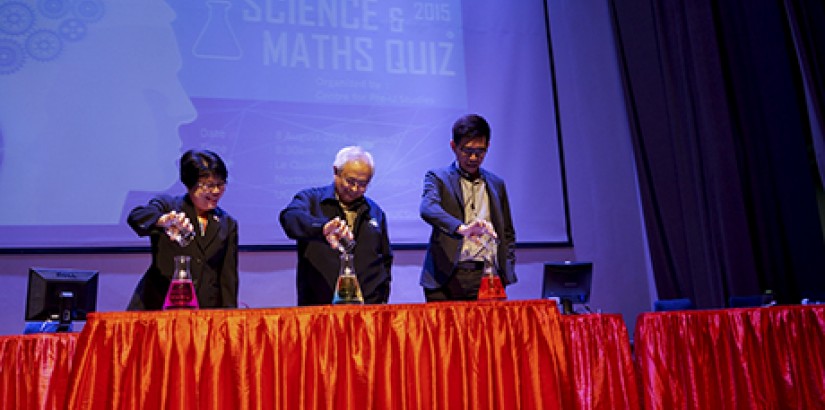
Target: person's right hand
<point>477,230</point>
<point>336,229</point>
<point>175,222</point>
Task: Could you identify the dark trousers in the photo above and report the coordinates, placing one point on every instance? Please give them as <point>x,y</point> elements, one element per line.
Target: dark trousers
<point>462,285</point>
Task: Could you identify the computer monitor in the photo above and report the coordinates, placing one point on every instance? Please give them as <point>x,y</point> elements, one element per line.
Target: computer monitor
<point>569,282</point>
<point>60,295</point>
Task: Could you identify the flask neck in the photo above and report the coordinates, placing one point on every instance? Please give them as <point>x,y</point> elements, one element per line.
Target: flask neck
<point>488,269</point>
<point>182,267</point>
<point>347,264</point>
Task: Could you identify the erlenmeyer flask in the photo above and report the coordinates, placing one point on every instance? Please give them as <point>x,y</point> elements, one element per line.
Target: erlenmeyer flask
<point>491,287</point>
<point>347,289</point>
<point>181,293</point>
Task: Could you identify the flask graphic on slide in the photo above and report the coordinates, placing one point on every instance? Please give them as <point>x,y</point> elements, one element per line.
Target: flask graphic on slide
<point>217,38</point>
<point>181,293</point>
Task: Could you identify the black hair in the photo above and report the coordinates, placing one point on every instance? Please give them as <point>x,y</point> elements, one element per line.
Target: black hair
<point>197,164</point>
<point>471,126</point>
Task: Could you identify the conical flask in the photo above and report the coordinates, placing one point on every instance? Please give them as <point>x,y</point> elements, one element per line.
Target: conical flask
<point>491,287</point>
<point>347,289</point>
<point>181,293</point>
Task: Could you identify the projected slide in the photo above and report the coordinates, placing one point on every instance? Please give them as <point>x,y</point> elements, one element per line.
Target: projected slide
<point>99,98</point>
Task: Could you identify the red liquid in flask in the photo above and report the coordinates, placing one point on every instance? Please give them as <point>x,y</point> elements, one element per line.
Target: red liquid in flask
<point>491,288</point>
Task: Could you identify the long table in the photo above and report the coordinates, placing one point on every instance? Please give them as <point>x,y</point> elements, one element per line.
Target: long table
<point>451,355</point>
<point>427,356</point>
<point>34,370</point>
<point>473,355</point>
<point>754,358</point>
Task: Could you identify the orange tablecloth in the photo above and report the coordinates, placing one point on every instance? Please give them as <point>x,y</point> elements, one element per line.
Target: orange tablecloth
<point>493,355</point>
<point>758,358</point>
<point>600,362</point>
<point>34,370</point>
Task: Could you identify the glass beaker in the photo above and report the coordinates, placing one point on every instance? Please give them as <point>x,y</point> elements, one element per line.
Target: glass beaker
<point>347,289</point>
<point>345,245</point>
<point>182,234</point>
<point>181,293</point>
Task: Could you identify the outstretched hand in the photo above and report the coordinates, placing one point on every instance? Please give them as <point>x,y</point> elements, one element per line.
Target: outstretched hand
<point>335,230</point>
<point>477,230</point>
<point>175,223</point>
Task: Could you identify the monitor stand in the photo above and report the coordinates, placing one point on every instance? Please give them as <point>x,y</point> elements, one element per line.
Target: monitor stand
<point>66,303</point>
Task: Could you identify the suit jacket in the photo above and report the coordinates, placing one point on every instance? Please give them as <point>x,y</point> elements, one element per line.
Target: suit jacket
<point>318,264</point>
<point>442,206</point>
<point>214,255</point>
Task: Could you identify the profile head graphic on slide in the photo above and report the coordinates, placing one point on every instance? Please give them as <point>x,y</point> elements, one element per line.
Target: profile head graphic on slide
<point>90,109</point>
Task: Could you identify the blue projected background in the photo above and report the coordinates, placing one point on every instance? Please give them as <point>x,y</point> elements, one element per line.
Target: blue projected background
<point>98,99</point>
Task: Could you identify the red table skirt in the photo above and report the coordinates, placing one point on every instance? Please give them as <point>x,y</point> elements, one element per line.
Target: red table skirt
<point>760,358</point>
<point>34,370</point>
<point>492,355</point>
<point>496,355</point>
<point>600,362</point>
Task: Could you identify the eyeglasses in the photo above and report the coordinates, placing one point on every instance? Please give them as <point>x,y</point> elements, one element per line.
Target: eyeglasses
<point>212,186</point>
<point>356,183</point>
<point>479,152</point>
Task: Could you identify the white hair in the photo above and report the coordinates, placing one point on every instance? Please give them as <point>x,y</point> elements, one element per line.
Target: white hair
<point>353,153</point>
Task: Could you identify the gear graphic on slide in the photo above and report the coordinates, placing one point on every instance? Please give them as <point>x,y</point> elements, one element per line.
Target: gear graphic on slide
<point>72,30</point>
<point>12,56</point>
<point>54,8</point>
<point>89,10</point>
<point>15,18</point>
<point>44,45</point>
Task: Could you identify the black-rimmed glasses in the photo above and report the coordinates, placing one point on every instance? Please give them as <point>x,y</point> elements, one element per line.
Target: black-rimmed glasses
<point>212,186</point>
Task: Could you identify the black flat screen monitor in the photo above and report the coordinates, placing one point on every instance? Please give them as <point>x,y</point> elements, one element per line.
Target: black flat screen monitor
<point>60,295</point>
<point>567,281</point>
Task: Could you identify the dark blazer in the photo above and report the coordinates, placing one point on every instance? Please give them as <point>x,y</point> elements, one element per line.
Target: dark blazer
<point>304,218</point>
<point>214,255</point>
<point>442,207</point>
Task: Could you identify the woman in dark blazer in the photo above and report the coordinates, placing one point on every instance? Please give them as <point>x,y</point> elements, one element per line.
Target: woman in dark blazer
<point>214,249</point>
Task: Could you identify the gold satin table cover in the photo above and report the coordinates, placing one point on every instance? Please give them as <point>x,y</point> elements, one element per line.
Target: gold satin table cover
<point>34,370</point>
<point>463,355</point>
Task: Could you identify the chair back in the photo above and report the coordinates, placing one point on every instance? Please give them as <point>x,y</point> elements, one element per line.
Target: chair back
<point>666,305</point>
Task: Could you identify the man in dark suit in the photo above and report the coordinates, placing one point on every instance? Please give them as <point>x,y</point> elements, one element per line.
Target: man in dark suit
<point>319,218</point>
<point>469,212</point>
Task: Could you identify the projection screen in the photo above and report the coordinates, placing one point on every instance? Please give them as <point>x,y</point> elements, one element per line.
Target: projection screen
<point>98,99</point>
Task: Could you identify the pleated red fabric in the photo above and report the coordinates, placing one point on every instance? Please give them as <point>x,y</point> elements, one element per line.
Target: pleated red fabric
<point>34,370</point>
<point>755,358</point>
<point>490,355</point>
<point>601,363</point>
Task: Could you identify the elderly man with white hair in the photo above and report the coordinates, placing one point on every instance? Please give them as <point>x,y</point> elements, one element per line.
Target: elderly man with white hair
<point>321,218</point>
